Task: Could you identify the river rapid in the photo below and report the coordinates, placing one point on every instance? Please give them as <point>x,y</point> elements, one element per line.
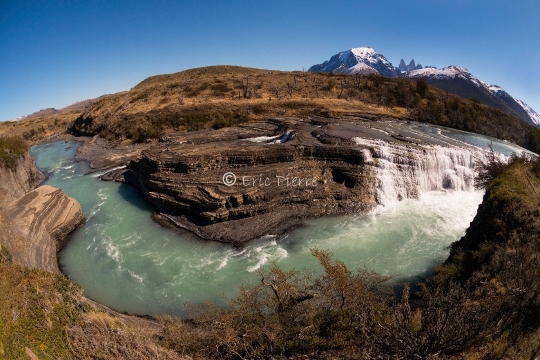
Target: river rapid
<point>126,261</point>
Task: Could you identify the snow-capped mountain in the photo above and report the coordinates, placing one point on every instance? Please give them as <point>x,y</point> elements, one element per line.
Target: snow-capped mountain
<point>362,60</point>
<point>454,79</point>
<point>532,114</point>
<point>445,73</point>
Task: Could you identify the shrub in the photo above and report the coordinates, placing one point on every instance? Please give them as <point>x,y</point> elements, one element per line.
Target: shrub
<point>11,149</point>
<point>220,88</point>
<point>5,256</point>
<point>140,96</point>
<point>489,170</point>
<point>422,87</point>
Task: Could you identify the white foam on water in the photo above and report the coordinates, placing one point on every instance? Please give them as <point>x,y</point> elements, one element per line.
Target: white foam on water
<point>95,210</point>
<point>131,239</point>
<point>103,195</point>
<point>163,260</point>
<point>269,251</point>
<point>262,139</point>
<point>135,276</point>
<point>102,172</point>
<point>91,243</point>
<point>113,252</point>
<point>223,263</point>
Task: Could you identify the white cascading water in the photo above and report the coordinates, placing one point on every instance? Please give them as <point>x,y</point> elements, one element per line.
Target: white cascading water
<point>407,171</point>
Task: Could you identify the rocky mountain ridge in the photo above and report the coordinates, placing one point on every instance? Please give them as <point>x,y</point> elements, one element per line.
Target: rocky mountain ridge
<point>454,79</point>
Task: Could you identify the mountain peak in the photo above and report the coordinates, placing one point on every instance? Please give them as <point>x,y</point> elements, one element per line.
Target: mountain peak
<point>402,65</point>
<point>360,60</point>
<point>363,51</point>
<point>535,118</point>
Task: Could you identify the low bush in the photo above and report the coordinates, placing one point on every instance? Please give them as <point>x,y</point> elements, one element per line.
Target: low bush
<point>11,149</point>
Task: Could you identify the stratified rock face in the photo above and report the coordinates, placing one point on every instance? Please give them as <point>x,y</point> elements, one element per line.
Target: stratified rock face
<point>25,177</point>
<point>327,166</point>
<point>275,182</point>
<point>37,224</point>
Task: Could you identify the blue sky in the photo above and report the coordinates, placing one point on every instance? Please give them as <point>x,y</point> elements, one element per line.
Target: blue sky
<point>54,53</point>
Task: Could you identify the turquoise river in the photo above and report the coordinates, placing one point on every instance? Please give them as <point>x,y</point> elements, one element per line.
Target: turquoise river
<point>126,261</point>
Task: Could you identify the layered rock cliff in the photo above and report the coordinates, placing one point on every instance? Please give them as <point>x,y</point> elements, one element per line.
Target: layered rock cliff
<point>269,184</point>
<point>37,224</point>
<point>34,223</point>
<point>239,183</point>
<point>17,182</point>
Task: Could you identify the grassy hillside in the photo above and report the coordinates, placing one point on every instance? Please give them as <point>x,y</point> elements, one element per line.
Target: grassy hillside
<point>36,129</point>
<point>220,96</point>
<point>45,123</point>
<point>215,97</point>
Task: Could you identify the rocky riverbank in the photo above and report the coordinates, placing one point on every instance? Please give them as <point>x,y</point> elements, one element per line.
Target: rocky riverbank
<point>39,223</point>
<point>35,222</point>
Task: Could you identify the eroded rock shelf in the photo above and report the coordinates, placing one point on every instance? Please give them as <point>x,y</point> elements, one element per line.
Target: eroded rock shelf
<point>319,167</point>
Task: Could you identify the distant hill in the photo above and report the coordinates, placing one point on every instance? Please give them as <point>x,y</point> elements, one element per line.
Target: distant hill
<point>454,79</point>
<point>224,96</point>
<point>78,106</point>
<point>42,112</point>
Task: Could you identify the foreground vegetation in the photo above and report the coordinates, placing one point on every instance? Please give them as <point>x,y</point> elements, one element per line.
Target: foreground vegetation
<point>45,316</point>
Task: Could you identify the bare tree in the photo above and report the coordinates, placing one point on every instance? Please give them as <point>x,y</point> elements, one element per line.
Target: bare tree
<point>356,81</point>
<point>317,85</point>
<point>276,90</point>
<point>292,86</point>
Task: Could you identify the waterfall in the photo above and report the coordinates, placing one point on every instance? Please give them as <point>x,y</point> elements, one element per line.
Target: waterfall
<point>408,171</point>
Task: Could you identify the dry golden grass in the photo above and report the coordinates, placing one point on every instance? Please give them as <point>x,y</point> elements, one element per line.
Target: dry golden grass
<point>222,95</point>
<point>228,86</point>
<point>100,335</point>
<point>36,129</point>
